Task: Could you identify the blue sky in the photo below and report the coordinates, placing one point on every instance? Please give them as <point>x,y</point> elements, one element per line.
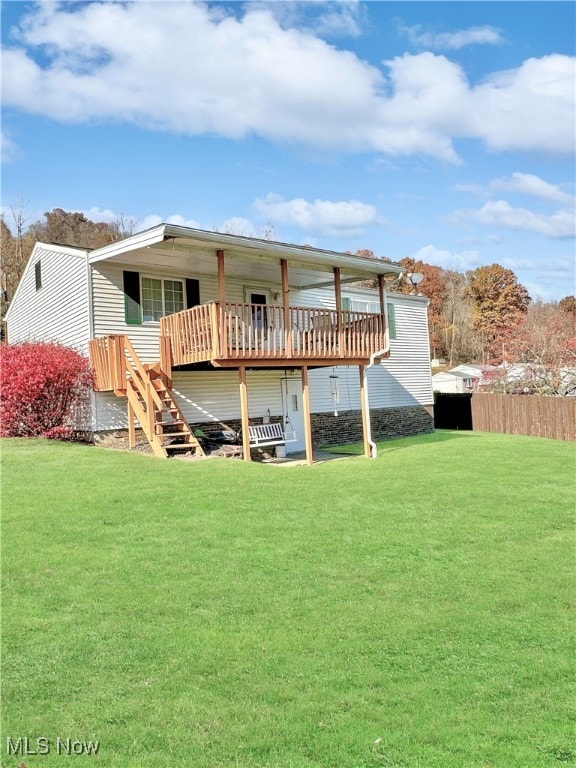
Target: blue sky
<point>438,130</point>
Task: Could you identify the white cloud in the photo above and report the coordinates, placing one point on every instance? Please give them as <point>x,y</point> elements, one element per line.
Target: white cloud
<point>529,184</point>
<point>8,149</point>
<point>320,216</point>
<point>140,224</point>
<point>330,18</point>
<point>153,220</point>
<point>500,213</point>
<point>506,106</point>
<point>190,68</point>
<point>101,215</point>
<point>461,261</point>
<point>456,40</point>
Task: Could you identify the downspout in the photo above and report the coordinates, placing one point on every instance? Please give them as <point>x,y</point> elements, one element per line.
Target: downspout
<point>373,356</point>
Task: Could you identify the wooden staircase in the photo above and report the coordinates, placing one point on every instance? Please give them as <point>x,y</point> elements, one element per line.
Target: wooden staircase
<point>148,389</point>
<point>169,433</point>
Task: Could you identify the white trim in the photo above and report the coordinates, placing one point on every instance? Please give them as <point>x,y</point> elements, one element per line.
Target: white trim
<point>249,246</point>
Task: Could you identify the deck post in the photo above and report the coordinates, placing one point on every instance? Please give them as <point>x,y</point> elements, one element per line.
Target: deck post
<point>306,414</point>
<point>365,411</point>
<point>118,362</point>
<point>166,359</point>
<point>131,429</point>
<point>338,296</point>
<point>221,299</point>
<point>286,306</point>
<point>221,277</point>
<point>244,414</point>
<point>381,293</point>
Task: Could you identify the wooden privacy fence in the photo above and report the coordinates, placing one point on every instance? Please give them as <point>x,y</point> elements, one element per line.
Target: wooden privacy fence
<point>534,415</point>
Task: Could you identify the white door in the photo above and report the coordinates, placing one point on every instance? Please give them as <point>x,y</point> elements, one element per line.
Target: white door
<point>293,416</point>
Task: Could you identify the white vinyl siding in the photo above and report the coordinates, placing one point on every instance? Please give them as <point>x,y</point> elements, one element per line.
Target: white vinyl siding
<point>52,300</point>
<point>109,310</point>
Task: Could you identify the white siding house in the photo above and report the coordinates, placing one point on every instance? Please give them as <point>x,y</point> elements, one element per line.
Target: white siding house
<point>52,301</point>
<point>73,296</point>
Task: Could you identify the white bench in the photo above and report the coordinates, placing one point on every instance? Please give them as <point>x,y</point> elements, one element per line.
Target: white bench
<point>269,434</point>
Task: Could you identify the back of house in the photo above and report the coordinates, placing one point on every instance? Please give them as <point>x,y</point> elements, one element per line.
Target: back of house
<point>308,338</point>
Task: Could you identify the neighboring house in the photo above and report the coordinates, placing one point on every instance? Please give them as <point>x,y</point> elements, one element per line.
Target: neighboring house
<point>452,382</point>
<point>190,328</point>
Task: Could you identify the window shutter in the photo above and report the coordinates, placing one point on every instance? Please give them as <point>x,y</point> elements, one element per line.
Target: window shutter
<point>132,298</point>
<point>391,319</point>
<point>345,303</point>
<point>192,292</point>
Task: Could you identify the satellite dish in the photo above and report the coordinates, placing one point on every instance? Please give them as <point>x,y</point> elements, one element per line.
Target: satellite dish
<point>414,277</point>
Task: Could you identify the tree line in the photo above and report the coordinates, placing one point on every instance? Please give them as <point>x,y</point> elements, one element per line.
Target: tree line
<point>486,316</point>
<point>481,316</point>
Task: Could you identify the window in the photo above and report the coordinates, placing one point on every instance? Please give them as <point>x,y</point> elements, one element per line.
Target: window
<point>38,275</point>
<point>361,305</point>
<point>161,297</point>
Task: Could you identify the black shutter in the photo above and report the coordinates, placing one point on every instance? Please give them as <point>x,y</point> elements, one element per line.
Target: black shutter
<point>192,292</point>
<point>132,298</point>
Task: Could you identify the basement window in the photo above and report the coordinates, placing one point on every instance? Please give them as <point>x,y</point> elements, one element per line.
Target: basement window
<point>38,275</point>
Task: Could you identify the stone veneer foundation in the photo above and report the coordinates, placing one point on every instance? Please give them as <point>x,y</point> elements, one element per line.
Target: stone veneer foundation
<point>387,423</point>
<point>327,429</point>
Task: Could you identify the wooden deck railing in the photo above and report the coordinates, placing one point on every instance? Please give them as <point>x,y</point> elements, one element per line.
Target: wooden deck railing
<point>246,332</point>
<point>106,359</point>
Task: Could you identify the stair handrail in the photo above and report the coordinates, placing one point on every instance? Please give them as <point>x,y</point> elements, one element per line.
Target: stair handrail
<point>140,375</point>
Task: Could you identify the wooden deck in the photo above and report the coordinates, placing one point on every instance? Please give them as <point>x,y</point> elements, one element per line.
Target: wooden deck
<point>234,334</point>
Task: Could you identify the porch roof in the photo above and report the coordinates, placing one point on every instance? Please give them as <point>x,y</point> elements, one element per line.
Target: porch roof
<point>187,249</point>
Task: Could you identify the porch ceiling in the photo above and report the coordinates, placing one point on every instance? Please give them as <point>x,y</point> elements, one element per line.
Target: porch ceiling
<point>191,251</point>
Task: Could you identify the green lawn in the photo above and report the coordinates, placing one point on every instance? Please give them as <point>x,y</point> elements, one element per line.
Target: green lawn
<point>414,610</point>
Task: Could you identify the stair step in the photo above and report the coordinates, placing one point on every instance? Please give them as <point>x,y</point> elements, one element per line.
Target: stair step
<point>176,434</point>
<point>181,447</point>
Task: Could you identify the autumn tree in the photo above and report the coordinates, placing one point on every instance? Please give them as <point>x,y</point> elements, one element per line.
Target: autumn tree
<point>568,304</point>
<point>434,287</point>
<point>15,250</point>
<point>462,341</point>
<point>499,306</point>
<point>17,239</point>
<point>73,228</point>
<point>546,339</point>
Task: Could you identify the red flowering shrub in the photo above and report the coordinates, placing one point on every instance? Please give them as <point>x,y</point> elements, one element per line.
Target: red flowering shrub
<point>40,386</point>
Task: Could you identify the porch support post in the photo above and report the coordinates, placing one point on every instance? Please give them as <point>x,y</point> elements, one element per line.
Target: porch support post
<point>381,292</point>
<point>131,428</point>
<point>306,414</point>
<point>221,301</point>
<point>221,280</point>
<point>365,411</point>
<point>244,414</point>
<point>286,307</point>
<point>338,295</point>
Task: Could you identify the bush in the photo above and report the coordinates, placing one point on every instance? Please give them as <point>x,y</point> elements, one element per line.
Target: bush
<point>40,386</point>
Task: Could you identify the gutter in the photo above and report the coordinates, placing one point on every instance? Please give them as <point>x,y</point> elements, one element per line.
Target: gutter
<point>373,356</point>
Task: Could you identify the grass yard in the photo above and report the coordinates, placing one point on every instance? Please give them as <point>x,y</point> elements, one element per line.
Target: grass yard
<point>414,611</point>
